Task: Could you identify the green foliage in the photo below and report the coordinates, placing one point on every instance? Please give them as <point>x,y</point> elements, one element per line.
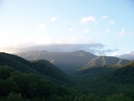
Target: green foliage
<point>19,86</point>
<point>16,62</point>
<point>14,97</point>
<point>36,82</point>
<point>116,97</point>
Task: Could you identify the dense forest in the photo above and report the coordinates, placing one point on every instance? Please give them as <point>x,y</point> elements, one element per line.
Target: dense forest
<point>22,80</point>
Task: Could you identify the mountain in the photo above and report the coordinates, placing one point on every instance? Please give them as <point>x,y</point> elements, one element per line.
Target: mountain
<point>73,61</point>
<point>107,80</point>
<point>44,67</point>
<point>40,80</point>
<point>123,74</point>
<point>105,60</point>
<point>40,67</point>
<point>102,64</point>
<point>15,62</point>
<point>66,61</point>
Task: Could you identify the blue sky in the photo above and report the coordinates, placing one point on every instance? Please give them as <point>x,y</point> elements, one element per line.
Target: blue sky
<point>103,27</point>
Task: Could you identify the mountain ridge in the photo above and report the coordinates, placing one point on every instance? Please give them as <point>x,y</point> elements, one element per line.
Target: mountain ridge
<point>70,62</point>
<point>66,61</point>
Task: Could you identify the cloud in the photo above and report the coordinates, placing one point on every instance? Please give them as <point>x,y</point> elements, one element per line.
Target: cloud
<point>71,29</point>
<point>86,31</point>
<point>107,30</point>
<point>108,51</point>
<point>39,43</point>
<point>41,28</point>
<point>95,48</point>
<point>61,47</point>
<point>54,18</point>
<point>128,55</point>
<point>87,19</point>
<point>112,22</point>
<point>124,33</point>
<point>104,17</point>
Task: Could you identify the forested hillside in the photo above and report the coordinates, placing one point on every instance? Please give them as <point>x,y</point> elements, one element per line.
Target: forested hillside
<point>40,67</point>
<point>17,86</point>
<point>108,80</point>
<point>22,80</point>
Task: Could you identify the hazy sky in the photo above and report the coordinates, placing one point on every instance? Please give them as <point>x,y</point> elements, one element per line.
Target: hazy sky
<point>105,26</point>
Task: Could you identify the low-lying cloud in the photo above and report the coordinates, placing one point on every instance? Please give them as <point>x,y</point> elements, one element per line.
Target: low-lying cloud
<point>95,48</point>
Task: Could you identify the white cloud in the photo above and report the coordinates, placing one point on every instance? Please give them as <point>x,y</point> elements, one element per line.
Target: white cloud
<point>104,17</point>
<point>41,28</point>
<point>71,29</point>
<point>114,54</point>
<point>54,18</point>
<point>122,33</point>
<point>86,31</point>
<point>112,22</point>
<point>87,19</point>
<point>107,30</point>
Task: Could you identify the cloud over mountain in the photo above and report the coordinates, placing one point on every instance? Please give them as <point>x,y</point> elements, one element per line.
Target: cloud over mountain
<point>129,55</point>
<point>95,48</point>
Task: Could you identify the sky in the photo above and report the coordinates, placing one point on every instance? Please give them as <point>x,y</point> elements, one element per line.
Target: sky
<point>103,27</point>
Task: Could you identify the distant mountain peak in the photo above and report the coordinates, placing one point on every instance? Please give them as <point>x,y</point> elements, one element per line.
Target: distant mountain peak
<point>82,52</point>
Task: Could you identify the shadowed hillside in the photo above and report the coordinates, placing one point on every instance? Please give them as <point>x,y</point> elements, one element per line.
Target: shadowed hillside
<point>41,67</point>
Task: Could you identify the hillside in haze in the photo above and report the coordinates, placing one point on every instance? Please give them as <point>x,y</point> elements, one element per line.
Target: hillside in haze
<point>67,61</point>
<point>73,61</point>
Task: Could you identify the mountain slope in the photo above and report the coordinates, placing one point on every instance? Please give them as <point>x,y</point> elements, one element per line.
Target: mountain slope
<point>50,70</point>
<point>41,67</point>
<point>125,74</point>
<point>15,62</point>
<point>69,61</point>
<point>113,80</point>
<point>103,60</point>
<point>101,65</point>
